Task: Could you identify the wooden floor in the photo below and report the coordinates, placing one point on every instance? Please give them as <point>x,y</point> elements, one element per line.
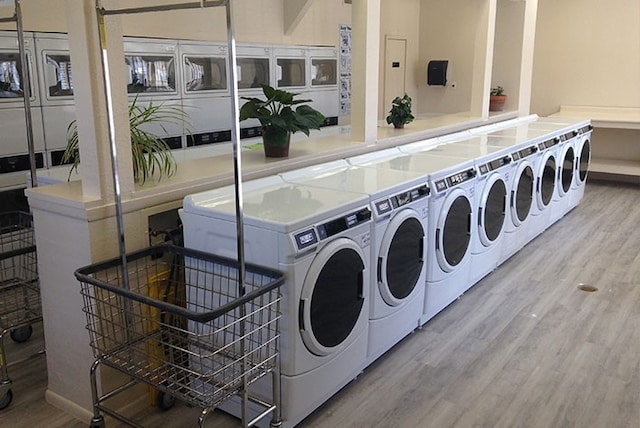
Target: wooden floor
<point>525,347</point>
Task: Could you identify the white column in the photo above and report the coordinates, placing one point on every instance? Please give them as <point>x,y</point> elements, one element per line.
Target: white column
<point>365,58</point>
<point>90,105</point>
<point>526,70</point>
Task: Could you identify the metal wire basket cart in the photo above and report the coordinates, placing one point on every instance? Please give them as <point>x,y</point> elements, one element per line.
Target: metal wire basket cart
<point>185,326</point>
<point>19,289</point>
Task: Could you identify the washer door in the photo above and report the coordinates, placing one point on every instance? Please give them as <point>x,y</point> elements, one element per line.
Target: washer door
<point>565,176</point>
<point>522,194</point>
<point>332,298</point>
<point>453,231</point>
<point>546,181</point>
<point>492,209</point>
<point>401,257</point>
<point>584,159</point>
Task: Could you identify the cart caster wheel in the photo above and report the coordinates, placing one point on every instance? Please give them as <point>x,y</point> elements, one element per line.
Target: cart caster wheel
<point>97,422</point>
<point>21,334</point>
<point>165,401</point>
<point>6,400</point>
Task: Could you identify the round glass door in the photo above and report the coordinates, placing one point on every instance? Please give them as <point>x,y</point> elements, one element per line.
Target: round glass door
<point>401,258</point>
<point>567,170</point>
<point>492,210</point>
<point>546,182</point>
<point>585,158</point>
<point>454,231</point>
<point>332,298</point>
<point>521,201</point>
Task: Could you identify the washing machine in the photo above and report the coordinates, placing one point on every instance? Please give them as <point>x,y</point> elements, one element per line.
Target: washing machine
<point>451,221</point>
<point>320,240</point>
<point>399,201</point>
<point>583,160</point>
<point>575,134</point>
<point>491,195</point>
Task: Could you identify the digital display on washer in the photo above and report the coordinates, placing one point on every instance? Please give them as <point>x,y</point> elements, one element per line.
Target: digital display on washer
<point>461,177</point>
<point>306,238</point>
<point>441,185</point>
<point>341,224</point>
<point>521,154</point>
<point>585,129</point>
<point>568,136</point>
<point>383,207</point>
<point>549,143</point>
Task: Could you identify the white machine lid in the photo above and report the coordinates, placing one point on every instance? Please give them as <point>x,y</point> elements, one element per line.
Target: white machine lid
<point>273,203</point>
<point>477,148</point>
<point>360,179</point>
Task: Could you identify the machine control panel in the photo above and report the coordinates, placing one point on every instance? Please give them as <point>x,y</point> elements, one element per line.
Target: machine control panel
<point>568,136</point>
<point>585,129</point>
<point>494,164</point>
<point>455,179</point>
<point>343,223</point>
<point>410,195</point>
<point>306,238</point>
<point>549,143</point>
<point>528,151</point>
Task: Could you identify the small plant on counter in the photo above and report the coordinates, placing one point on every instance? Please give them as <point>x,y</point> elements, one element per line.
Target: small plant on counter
<point>151,154</point>
<point>400,112</point>
<point>497,98</point>
<point>278,118</point>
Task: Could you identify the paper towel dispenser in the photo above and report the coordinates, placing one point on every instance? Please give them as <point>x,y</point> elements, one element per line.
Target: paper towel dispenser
<point>437,72</point>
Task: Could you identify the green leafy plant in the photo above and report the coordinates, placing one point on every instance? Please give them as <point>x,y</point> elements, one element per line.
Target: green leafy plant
<point>497,91</point>
<point>400,112</point>
<point>277,111</point>
<point>150,153</point>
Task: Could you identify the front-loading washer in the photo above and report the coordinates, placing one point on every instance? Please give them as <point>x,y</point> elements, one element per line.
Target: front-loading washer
<point>491,194</point>
<point>399,201</point>
<point>583,160</point>
<point>320,240</point>
<point>577,134</point>
<point>451,224</point>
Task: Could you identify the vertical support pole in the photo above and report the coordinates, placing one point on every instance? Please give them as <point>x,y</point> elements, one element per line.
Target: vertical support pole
<point>113,143</point>
<point>26,86</point>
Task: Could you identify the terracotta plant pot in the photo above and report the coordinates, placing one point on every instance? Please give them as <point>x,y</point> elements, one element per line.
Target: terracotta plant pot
<point>496,102</point>
<point>276,142</point>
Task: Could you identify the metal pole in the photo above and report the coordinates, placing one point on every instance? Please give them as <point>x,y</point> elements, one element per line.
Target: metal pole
<point>113,146</point>
<point>26,87</point>
<point>237,174</point>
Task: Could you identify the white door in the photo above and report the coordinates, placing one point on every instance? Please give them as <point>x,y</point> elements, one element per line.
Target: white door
<point>394,70</point>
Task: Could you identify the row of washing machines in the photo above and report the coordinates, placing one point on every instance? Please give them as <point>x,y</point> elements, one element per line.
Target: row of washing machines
<point>374,246</point>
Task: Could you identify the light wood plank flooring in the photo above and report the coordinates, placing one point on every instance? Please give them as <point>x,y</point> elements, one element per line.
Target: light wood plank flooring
<point>523,348</point>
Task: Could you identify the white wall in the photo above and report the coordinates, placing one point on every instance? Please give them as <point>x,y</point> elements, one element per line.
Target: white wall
<point>587,53</point>
<point>257,21</point>
<point>507,54</point>
<point>448,30</point>
<point>401,18</point>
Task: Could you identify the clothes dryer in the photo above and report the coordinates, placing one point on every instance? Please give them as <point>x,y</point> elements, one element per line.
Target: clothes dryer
<point>320,240</point>
<point>583,161</point>
<point>491,194</point>
<point>451,224</point>
<point>399,201</point>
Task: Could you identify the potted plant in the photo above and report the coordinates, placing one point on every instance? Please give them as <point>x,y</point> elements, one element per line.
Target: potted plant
<point>279,119</point>
<point>400,112</point>
<point>497,99</point>
<point>150,153</point>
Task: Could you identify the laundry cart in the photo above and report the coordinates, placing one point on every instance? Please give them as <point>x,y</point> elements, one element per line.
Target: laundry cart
<point>186,326</point>
<point>19,289</point>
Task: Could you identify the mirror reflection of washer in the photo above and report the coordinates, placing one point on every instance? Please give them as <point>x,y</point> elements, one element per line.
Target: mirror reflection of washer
<point>399,201</point>
<point>319,239</point>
